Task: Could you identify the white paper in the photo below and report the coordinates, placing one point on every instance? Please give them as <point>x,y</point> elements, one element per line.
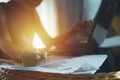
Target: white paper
<point>87,64</point>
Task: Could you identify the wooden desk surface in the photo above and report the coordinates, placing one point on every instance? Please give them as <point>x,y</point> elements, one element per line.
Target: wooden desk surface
<point>7,74</point>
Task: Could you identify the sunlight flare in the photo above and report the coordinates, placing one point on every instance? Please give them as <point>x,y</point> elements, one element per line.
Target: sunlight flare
<point>37,42</point>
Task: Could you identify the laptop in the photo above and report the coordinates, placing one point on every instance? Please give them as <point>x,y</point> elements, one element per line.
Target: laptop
<point>101,26</point>
<point>102,23</point>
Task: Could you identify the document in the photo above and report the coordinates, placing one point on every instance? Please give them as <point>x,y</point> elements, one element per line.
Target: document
<point>87,64</point>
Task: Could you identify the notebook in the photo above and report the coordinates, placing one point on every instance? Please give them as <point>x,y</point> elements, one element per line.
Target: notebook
<point>102,23</point>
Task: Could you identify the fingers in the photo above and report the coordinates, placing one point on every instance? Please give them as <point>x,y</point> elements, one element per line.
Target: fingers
<point>44,54</point>
<point>37,57</point>
<point>88,23</point>
<point>88,26</point>
<point>78,27</point>
<point>91,23</point>
<point>33,59</point>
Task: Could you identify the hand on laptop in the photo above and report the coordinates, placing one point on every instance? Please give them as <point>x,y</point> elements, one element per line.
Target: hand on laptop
<point>83,26</point>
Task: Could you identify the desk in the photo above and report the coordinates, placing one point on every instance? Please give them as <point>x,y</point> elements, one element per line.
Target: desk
<point>8,74</point>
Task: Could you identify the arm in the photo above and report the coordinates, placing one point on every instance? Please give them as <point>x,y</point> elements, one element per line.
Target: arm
<point>6,44</point>
<point>83,27</point>
<point>80,26</point>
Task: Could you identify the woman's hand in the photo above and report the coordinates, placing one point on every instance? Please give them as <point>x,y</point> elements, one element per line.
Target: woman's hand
<point>30,59</point>
<point>83,26</point>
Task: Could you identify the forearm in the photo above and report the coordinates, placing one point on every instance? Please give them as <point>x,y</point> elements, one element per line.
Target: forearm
<point>83,27</point>
<point>10,49</point>
<point>62,38</point>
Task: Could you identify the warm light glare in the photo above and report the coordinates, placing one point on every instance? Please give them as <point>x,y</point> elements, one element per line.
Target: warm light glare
<point>37,42</point>
<point>117,75</point>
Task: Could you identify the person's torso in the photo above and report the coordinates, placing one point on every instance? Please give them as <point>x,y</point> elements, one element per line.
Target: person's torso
<point>21,23</point>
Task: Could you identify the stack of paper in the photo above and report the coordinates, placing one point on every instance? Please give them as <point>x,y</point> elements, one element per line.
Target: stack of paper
<point>87,64</point>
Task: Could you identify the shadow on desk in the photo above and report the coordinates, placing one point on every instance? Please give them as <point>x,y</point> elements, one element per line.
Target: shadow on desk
<point>112,63</point>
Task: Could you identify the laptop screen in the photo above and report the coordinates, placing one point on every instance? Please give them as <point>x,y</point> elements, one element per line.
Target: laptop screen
<point>102,21</point>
